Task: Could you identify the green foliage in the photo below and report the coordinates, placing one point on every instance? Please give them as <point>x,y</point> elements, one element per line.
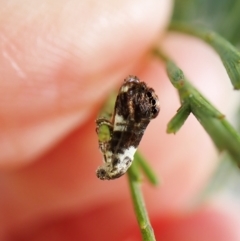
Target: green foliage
<point>178,120</point>
<point>221,132</point>
<point>229,55</point>
<point>146,168</point>
<point>221,16</point>
<point>139,205</point>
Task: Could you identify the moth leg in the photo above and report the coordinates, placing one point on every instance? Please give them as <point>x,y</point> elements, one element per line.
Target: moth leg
<point>102,121</point>
<point>121,126</point>
<point>104,131</point>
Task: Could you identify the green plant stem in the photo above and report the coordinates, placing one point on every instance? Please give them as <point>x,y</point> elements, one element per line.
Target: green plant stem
<point>139,205</point>
<point>229,55</point>
<point>178,120</point>
<point>146,168</point>
<point>213,121</point>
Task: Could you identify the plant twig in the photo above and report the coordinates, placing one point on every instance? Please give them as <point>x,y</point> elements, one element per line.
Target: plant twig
<point>146,168</point>
<point>139,205</point>
<point>221,132</point>
<point>229,55</point>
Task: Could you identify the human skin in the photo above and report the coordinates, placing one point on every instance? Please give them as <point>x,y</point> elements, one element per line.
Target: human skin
<point>58,63</point>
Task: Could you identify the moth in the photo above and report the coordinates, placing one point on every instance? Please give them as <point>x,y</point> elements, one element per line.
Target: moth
<point>136,105</point>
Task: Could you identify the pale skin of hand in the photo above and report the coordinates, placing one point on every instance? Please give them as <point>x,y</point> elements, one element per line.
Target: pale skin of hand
<point>58,63</point>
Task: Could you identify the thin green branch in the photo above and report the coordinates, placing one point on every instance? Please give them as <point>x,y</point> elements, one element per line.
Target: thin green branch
<point>146,168</point>
<point>178,120</point>
<point>218,182</point>
<point>229,55</point>
<point>221,132</point>
<point>139,205</point>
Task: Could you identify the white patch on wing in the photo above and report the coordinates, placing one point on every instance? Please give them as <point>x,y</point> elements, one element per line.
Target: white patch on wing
<point>124,88</point>
<point>119,123</point>
<point>127,153</point>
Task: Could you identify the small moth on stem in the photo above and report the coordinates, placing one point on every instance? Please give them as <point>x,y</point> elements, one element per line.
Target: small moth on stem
<point>136,105</point>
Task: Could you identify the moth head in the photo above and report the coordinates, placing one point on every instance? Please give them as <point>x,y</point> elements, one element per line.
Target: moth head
<point>132,78</point>
<point>103,172</point>
<point>110,171</point>
<point>107,172</point>
<point>154,102</point>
